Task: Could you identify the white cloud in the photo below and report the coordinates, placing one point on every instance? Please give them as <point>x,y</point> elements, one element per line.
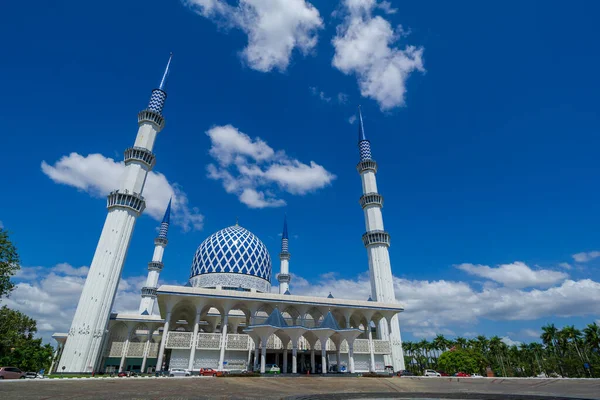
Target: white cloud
<point>586,256</point>
<point>98,175</point>
<point>565,265</point>
<point>67,269</point>
<point>366,46</point>
<point>386,7</point>
<point>342,98</point>
<point>50,296</point>
<point>320,94</point>
<point>352,119</point>
<point>509,342</point>
<point>515,275</point>
<point>251,169</point>
<point>531,333</point>
<point>432,307</point>
<point>275,28</point>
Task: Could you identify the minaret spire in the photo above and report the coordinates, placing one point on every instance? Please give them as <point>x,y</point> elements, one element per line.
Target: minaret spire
<point>364,145</point>
<point>82,351</point>
<point>159,95</point>
<point>377,242</point>
<point>163,81</point>
<point>284,277</point>
<point>156,265</point>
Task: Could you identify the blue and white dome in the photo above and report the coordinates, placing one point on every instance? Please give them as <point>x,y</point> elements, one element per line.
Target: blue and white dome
<point>232,258</point>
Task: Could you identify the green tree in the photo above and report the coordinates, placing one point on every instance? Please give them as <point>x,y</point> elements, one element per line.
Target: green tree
<point>9,263</point>
<point>460,360</point>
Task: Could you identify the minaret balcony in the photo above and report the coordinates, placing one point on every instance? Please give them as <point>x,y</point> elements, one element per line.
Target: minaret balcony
<point>140,154</point>
<point>148,292</point>
<point>284,278</point>
<point>163,241</point>
<point>371,199</point>
<point>284,255</point>
<point>152,117</point>
<point>376,237</point>
<point>155,266</point>
<point>366,165</point>
<point>133,201</point>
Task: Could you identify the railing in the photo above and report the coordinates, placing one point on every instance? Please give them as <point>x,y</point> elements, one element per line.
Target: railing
<point>237,342</point>
<point>376,237</point>
<point>382,347</point>
<point>179,340</point>
<point>208,341</point>
<point>136,349</point>
<point>361,346</point>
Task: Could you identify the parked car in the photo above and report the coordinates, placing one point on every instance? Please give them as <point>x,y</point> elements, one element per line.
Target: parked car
<point>462,375</point>
<point>179,372</point>
<point>405,372</point>
<point>11,373</point>
<point>210,372</point>
<point>430,372</point>
<point>33,375</point>
<point>442,373</point>
<point>272,369</point>
<point>476,376</point>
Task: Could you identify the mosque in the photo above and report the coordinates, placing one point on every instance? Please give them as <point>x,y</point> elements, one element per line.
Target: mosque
<point>227,317</point>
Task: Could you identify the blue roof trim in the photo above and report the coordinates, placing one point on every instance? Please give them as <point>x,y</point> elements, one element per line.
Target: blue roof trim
<point>276,320</point>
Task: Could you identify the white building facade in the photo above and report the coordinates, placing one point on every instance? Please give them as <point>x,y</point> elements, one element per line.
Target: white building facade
<point>226,317</point>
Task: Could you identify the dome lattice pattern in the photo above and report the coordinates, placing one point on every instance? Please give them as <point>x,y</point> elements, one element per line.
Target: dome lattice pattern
<point>232,250</point>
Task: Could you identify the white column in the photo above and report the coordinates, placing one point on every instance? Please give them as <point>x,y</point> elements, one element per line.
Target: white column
<point>285,360</point>
<point>224,322</point>
<point>337,358</point>
<point>256,355</point>
<point>323,358</point>
<point>313,364</point>
<point>351,357</point>
<point>146,349</point>
<point>371,350</point>
<point>294,358</point>
<point>194,340</point>
<point>124,354</point>
<point>163,341</point>
<point>263,354</point>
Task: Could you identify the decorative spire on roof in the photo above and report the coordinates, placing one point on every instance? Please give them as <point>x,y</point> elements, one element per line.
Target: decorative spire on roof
<point>330,296</point>
<point>364,146</point>
<point>370,298</point>
<point>287,292</point>
<point>164,225</point>
<point>159,95</point>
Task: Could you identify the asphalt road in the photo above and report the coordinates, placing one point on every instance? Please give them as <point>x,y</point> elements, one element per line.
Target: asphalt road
<point>300,387</point>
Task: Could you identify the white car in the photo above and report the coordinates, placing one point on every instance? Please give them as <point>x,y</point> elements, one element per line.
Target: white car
<point>430,372</point>
<point>476,376</point>
<point>179,372</point>
<point>272,369</point>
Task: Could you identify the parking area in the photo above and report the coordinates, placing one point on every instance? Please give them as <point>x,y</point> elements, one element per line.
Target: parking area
<point>295,387</point>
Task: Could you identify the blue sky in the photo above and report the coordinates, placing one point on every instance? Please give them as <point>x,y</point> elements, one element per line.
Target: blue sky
<point>484,125</point>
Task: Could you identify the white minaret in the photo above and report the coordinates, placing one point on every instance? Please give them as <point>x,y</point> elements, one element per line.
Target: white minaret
<point>377,242</point>
<point>83,346</point>
<point>284,277</point>
<point>155,266</point>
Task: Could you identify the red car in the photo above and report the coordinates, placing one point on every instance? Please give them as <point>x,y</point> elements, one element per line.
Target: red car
<point>462,375</point>
<point>210,372</point>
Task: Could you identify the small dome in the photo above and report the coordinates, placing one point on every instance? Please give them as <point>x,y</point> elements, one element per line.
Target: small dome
<point>232,258</point>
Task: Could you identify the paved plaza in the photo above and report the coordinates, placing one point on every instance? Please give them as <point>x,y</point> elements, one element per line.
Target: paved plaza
<point>300,387</point>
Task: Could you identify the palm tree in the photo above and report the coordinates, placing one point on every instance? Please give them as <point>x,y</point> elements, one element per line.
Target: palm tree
<point>461,342</point>
<point>549,337</point>
<point>496,349</point>
<point>592,336</point>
